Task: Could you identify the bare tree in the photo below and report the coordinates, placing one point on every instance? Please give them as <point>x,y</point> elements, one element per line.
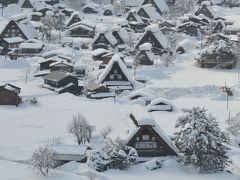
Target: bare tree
<point>106,131</point>
<point>81,129</point>
<point>91,175</point>
<point>42,160</point>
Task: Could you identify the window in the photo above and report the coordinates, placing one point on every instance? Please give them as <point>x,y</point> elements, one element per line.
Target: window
<point>146,145</point>
<point>112,76</point>
<point>115,71</point>
<point>137,139</point>
<point>119,76</point>
<point>145,137</point>
<point>153,138</point>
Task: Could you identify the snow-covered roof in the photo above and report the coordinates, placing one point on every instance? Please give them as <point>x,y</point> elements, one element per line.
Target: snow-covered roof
<point>74,14</point>
<point>13,40</point>
<point>25,25</point>
<point>145,93</point>
<point>143,117</point>
<point>159,100</point>
<point>57,75</point>
<point>161,4</point>
<point>145,46</point>
<point>32,44</point>
<point>158,35</point>
<point>134,13</point>
<point>69,149</point>
<point>151,12</point>
<point>115,59</point>
<point>108,35</point>
<point>99,51</point>
<point>61,63</point>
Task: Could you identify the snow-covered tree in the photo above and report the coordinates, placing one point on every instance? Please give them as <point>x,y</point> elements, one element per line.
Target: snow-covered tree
<point>49,24</point>
<point>81,129</point>
<point>222,52</point>
<point>42,160</point>
<point>106,131</point>
<point>113,155</point>
<point>182,7</point>
<point>201,140</point>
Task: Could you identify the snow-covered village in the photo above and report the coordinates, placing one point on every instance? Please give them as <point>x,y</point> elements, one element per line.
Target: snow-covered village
<point>119,89</point>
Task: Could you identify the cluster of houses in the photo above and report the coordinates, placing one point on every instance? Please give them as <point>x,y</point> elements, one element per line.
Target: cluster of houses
<point>117,51</point>
<point>115,47</point>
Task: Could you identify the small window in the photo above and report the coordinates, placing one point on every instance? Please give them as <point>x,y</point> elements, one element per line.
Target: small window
<point>137,139</point>
<point>115,71</point>
<point>111,76</point>
<point>153,138</point>
<point>119,76</point>
<point>145,137</point>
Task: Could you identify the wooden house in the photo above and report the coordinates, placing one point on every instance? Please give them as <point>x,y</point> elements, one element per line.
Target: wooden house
<point>52,2</point>
<point>189,28</point>
<point>27,4</point>
<point>11,42</point>
<point>155,37</point>
<point>98,91</point>
<point>61,82</point>
<point>9,95</point>
<point>145,56</point>
<point>138,27</point>
<point>219,26</point>
<point>108,10</point>
<point>116,76</point>
<point>205,10</point>
<point>81,29</point>
<point>98,53</point>
<point>90,8</point>
<point>148,13</point>
<point>149,139</point>
<point>160,5</point>
<point>17,26</point>
<point>45,64</point>
<point>132,15</point>
<point>167,24</point>
<point>104,40</point>
<point>8,2</point>
<point>66,153</point>
<point>74,18</point>
<point>212,2</point>
<point>67,11</point>
<point>56,66</point>
<point>28,48</point>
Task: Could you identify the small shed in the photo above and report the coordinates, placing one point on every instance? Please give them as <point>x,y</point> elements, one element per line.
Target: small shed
<point>67,153</point>
<point>9,95</point>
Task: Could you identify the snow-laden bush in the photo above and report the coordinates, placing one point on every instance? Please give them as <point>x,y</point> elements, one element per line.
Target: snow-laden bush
<point>201,141</point>
<point>42,160</point>
<point>222,52</point>
<point>32,100</point>
<point>113,155</point>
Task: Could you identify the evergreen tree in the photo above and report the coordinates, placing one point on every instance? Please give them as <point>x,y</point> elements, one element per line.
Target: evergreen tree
<point>201,141</point>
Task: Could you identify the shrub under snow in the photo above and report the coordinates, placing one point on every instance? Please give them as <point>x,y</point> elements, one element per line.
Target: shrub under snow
<point>113,155</point>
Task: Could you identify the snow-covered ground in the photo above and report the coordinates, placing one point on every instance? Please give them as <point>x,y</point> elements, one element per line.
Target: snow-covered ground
<point>26,127</point>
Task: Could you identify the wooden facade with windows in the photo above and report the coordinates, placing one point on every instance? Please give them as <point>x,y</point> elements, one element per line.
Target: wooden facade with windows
<point>148,141</point>
<point>12,30</point>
